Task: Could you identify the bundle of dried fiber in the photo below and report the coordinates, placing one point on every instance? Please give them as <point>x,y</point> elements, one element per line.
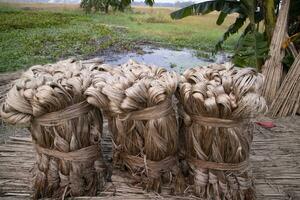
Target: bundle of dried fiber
<point>272,68</point>
<point>65,129</point>
<point>6,80</point>
<point>287,100</point>
<point>217,104</point>
<point>138,102</point>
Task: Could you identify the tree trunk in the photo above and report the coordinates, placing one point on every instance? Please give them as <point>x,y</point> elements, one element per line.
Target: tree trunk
<point>106,8</point>
<point>269,12</point>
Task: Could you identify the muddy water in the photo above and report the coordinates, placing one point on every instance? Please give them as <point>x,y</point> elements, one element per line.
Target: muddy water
<point>177,60</point>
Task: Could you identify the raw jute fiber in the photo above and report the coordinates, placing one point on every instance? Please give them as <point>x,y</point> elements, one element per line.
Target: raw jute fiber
<point>217,104</point>
<point>138,100</point>
<point>287,99</point>
<point>273,67</point>
<point>65,129</point>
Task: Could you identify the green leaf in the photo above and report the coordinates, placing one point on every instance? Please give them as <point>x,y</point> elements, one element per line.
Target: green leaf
<point>288,60</point>
<point>149,2</point>
<point>232,29</point>
<point>252,49</point>
<point>221,18</point>
<point>102,5</point>
<point>225,6</point>
<point>294,11</point>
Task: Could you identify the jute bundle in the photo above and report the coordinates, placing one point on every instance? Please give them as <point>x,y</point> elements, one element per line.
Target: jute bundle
<point>138,102</point>
<point>287,100</point>
<point>6,83</point>
<point>273,68</point>
<point>65,129</point>
<point>217,104</point>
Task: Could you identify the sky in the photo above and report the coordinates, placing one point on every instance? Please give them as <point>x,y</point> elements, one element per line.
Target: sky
<point>170,1</point>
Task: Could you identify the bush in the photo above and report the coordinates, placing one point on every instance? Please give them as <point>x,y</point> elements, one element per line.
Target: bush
<point>12,20</point>
<point>158,18</point>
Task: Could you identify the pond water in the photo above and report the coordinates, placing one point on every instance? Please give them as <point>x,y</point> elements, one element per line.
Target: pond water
<point>177,60</point>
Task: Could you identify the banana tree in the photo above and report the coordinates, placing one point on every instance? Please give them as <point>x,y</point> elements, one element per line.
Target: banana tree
<point>103,5</point>
<point>252,47</point>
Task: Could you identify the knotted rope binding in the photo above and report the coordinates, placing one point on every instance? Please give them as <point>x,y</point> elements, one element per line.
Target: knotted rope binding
<point>59,117</point>
<point>90,153</point>
<point>155,112</point>
<point>149,168</point>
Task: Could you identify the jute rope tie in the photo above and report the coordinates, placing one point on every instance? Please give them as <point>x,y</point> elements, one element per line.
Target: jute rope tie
<point>210,121</point>
<point>219,166</point>
<point>155,112</point>
<point>90,153</point>
<point>151,168</point>
<point>59,117</point>
<point>216,123</point>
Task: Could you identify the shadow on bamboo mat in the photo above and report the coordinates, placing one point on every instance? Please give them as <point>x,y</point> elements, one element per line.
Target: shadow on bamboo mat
<point>275,162</point>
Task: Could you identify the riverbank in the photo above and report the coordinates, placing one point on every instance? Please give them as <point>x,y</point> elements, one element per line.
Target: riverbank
<point>40,33</point>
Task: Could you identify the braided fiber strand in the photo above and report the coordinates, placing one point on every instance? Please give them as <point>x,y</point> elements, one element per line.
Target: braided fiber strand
<point>137,99</point>
<point>65,129</point>
<point>217,104</point>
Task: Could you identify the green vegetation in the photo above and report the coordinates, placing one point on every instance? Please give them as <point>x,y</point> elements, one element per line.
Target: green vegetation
<point>36,36</point>
<point>253,45</point>
<point>104,5</point>
<point>252,48</point>
<point>16,19</point>
<point>31,37</point>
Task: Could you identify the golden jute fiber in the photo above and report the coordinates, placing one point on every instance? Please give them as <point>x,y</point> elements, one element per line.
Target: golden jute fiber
<point>217,104</point>
<point>138,101</point>
<point>65,129</point>
<point>287,99</point>
<point>273,67</point>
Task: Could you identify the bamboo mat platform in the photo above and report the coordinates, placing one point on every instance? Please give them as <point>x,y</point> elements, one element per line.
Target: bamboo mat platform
<point>275,163</point>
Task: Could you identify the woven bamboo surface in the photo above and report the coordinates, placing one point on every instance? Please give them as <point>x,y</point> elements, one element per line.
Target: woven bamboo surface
<point>275,163</point>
